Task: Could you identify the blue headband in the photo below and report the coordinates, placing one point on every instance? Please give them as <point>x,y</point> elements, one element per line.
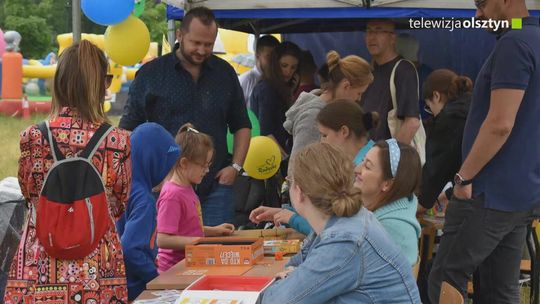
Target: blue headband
<point>395,155</point>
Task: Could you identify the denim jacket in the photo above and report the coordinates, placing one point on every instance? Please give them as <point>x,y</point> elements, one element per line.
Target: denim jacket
<point>352,261</point>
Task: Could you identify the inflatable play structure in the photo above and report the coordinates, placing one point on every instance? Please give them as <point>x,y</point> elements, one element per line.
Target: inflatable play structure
<point>126,42</point>
<point>19,75</point>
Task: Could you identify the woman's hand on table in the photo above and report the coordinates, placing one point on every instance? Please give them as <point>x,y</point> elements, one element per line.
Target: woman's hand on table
<point>263,214</point>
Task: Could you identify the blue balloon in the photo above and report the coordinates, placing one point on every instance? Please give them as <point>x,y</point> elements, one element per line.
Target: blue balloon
<point>107,12</point>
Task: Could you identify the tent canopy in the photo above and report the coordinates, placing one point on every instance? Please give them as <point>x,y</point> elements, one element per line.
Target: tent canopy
<point>305,16</point>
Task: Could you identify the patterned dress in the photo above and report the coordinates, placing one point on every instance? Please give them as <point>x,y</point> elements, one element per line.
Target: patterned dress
<point>34,276</point>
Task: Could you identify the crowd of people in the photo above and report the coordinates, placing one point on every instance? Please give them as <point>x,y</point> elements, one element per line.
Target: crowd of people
<point>355,176</point>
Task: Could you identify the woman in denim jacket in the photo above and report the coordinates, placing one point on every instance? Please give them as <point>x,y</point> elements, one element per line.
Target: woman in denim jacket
<point>348,258</point>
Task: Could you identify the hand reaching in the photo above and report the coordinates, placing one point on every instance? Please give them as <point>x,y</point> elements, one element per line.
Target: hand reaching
<point>263,214</point>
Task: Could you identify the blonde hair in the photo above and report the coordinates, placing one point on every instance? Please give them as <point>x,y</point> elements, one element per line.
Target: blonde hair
<point>325,175</point>
<point>195,145</point>
<point>353,68</point>
<point>79,81</point>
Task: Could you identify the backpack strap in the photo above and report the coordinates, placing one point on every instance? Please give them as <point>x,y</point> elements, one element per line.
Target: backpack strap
<point>55,151</point>
<point>393,84</point>
<point>92,146</point>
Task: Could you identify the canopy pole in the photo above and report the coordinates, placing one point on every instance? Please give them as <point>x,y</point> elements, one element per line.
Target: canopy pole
<point>76,20</point>
<point>171,32</point>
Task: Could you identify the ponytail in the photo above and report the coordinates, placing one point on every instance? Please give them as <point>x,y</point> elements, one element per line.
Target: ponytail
<point>371,120</point>
<point>79,81</point>
<point>347,203</point>
<point>448,83</point>
<point>347,113</point>
<point>460,85</point>
<point>353,68</point>
<point>332,60</point>
<point>325,175</point>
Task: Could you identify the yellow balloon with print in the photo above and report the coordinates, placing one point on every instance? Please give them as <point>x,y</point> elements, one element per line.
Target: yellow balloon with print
<point>263,158</point>
<point>128,41</point>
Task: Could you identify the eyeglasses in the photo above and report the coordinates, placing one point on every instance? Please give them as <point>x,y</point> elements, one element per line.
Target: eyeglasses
<point>108,80</point>
<point>205,166</point>
<point>377,32</point>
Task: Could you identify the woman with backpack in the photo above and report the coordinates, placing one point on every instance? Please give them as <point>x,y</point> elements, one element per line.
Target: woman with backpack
<point>75,173</point>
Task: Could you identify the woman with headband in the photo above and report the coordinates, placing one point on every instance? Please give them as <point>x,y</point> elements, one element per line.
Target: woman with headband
<point>388,178</point>
<point>341,260</point>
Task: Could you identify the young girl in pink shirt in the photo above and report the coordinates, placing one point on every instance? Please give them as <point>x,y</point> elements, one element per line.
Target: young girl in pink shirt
<point>179,217</point>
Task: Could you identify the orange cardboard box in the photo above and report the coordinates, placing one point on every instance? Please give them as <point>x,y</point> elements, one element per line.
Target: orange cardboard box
<point>224,251</point>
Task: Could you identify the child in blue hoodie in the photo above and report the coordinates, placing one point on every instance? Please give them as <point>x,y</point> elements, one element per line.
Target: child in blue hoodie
<point>153,153</point>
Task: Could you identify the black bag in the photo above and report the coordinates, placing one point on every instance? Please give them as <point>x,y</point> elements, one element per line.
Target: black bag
<point>13,210</point>
<point>250,193</point>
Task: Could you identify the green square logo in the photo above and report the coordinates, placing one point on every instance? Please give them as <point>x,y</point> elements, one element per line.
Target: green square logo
<point>517,23</point>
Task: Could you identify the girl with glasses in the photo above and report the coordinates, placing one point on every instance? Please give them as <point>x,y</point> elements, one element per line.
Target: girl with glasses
<point>179,216</point>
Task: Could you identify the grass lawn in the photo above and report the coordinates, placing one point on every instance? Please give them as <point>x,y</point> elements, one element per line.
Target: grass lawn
<point>10,127</point>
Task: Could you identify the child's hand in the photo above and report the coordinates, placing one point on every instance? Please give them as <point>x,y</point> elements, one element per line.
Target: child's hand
<point>283,274</point>
<point>263,214</point>
<point>224,229</point>
<point>283,217</point>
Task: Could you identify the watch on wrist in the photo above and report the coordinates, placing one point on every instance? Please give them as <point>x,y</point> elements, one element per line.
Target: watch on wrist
<point>460,181</point>
<point>237,167</point>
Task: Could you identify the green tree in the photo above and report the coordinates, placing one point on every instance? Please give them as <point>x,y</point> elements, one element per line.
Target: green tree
<point>25,17</point>
<point>155,18</point>
<point>36,35</point>
<point>40,21</point>
<point>2,15</point>
<point>58,16</point>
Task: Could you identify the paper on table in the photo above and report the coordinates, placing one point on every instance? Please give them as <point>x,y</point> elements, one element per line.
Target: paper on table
<point>164,297</point>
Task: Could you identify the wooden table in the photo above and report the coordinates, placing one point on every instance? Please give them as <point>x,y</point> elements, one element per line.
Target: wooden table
<point>174,278</point>
<point>146,295</point>
<point>180,276</point>
<point>437,222</point>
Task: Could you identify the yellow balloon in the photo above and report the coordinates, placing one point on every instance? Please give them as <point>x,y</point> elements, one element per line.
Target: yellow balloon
<point>106,106</point>
<point>263,158</point>
<point>128,41</point>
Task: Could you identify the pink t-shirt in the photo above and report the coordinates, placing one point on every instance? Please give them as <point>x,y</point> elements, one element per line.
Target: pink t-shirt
<point>178,213</point>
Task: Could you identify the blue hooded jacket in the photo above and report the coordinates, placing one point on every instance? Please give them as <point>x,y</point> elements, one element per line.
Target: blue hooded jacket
<point>153,153</point>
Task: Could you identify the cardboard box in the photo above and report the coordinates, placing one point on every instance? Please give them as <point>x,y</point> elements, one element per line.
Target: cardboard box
<point>225,289</point>
<point>224,251</point>
<point>285,246</point>
<point>271,234</point>
<point>274,233</point>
